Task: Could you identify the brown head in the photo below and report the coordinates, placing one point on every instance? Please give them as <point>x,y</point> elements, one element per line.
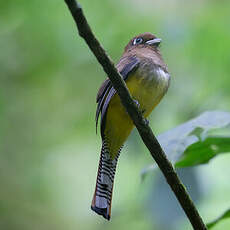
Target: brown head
<point>144,40</point>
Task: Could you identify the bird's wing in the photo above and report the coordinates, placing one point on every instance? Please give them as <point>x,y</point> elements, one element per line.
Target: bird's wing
<point>125,66</point>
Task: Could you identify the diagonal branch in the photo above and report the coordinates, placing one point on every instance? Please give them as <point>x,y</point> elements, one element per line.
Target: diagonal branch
<point>143,128</point>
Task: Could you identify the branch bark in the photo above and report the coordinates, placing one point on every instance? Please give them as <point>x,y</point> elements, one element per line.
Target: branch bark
<point>143,128</point>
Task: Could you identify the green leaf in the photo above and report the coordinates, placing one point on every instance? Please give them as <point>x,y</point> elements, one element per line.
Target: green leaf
<point>176,141</point>
<point>203,151</point>
<point>222,217</point>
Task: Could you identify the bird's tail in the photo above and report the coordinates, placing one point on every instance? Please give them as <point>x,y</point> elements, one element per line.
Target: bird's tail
<point>102,198</point>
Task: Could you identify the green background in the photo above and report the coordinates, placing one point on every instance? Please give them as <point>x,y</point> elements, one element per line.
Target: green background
<point>49,150</point>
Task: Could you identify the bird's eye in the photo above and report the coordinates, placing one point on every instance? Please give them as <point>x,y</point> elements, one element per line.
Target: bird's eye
<point>137,41</point>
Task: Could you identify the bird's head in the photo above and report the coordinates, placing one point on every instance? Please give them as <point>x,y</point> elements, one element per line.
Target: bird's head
<point>144,40</point>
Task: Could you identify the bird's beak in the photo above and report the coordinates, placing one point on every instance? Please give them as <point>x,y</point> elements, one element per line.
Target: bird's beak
<point>155,41</point>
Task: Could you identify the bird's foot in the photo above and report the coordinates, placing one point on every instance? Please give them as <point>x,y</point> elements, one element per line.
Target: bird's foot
<point>146,121</point>
<point>142,111</point>
<point>137,103</point>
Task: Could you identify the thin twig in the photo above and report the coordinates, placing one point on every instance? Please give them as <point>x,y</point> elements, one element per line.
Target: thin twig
<point>143,128</point>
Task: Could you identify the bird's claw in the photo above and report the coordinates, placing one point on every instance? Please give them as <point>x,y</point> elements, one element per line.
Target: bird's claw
<point>146,121</point>
<point>142,111</point>
<point>137,103</point>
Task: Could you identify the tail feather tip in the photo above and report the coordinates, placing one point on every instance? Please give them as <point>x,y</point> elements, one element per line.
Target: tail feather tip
<point>101,211</point>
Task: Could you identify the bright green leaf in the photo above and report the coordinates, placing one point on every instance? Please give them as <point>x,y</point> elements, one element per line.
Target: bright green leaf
<point>175,141</point>
<point>222,217</point>
<point>203,151</point>
<point>178,140</point>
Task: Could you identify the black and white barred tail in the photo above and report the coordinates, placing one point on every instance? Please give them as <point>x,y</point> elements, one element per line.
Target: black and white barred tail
<point>102,198</point>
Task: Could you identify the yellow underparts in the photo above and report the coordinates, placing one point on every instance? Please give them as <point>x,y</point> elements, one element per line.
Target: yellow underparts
<point>118,124</point>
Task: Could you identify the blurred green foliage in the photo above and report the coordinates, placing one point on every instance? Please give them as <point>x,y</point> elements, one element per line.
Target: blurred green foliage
<point>49,79</point>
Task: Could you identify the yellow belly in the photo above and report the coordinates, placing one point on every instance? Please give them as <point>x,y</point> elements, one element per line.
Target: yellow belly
<point>118,124</point>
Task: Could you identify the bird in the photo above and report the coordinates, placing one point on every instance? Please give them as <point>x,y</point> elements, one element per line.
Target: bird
<point>147,78</point>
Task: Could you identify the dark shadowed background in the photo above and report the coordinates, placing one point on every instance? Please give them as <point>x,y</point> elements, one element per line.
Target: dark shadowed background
<point>49,150</point>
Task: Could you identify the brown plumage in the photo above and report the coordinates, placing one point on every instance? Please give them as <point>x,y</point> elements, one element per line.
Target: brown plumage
<point>147,79</point>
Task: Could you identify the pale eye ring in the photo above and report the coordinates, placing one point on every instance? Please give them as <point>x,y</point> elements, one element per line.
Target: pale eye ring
<point>137,41</point>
